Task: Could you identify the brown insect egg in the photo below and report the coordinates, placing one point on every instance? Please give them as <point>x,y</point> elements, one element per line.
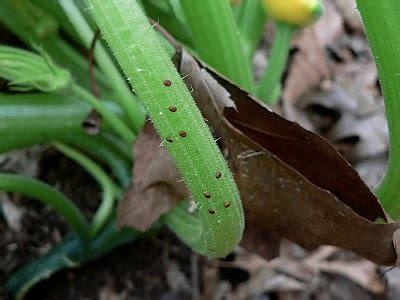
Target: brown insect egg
<point>211,211</point>
<point>227,204</point>
<point>218,175</point>
<point>207,195</point>
<point>182,133</point>
<point>167,82</point>
<point>172,108</point>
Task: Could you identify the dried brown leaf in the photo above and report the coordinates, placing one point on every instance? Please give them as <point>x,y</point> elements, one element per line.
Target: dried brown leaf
<point>291,180</point>
<point>350,14</point>
<point>156,187</point>
<point>360,128</point>
<point>363,272</point>
<point>308,65</point>
<point>264,277</point>
<point>306,274</point>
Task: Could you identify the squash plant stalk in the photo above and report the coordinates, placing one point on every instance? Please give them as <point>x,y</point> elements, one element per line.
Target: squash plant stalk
<point>48,119</point>
<point>110,191</point>
<point>115,122</point>
<point>184,225</point>
<point>217,39</point>
<point>177,119</point>
<point>381,20</point>
<point>276,63</point>
<point>251,19</point>
<point>101,148</point>
<point>289,15</point>
<point>131,107</point>
<point>26,71</point>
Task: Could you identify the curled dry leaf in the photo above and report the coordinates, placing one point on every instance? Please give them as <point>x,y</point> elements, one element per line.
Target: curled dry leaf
<point>291,181</point>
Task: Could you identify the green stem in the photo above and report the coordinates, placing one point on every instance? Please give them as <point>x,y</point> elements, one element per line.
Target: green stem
<point>217,39</point>
<point>119,145</point>
<point>131,107</point>
<point>276,63</point>
<point>177,119</point>
<point>186,226</point>
<point>54,9</point>
<point>164,12</point>
<point>100,147</point>
<point>67,57</point>
<point>113,120</point>
<point>251,19</point>
<point>41,114</point>
<point>50,196</point>
<point>110,191</point>
<point>381,20</point>
<point>47,116</point>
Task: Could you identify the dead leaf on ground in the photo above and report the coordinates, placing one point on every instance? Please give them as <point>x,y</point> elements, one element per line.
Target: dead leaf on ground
<point>12,213</point>
<point>264,277</point>
<point>350,114</point>
<point>372,169</point>
<point>363,272</point>
<point>284,274</point>
<point>354,124</point>
<point>350,14</point>
<point>176,279</point>
<point>392,277</point>
<point>309,65</point>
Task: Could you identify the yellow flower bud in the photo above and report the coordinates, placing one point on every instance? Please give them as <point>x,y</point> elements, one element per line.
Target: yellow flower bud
<point>295,12</point>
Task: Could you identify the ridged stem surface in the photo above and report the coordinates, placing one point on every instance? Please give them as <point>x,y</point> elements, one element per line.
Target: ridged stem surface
<point>176,118</point>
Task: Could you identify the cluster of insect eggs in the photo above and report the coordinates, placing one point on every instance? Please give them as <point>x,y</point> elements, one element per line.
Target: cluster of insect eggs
<point>182,133</point>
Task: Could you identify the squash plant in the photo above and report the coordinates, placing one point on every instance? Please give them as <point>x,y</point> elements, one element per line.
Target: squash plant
<point>54,98</point>
<point>178,121</point>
